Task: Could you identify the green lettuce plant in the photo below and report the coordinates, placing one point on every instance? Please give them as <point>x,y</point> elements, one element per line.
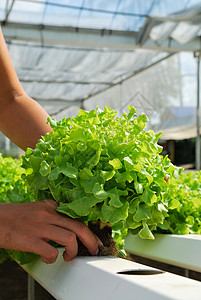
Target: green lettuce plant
<point>99,166</point>
<point>184,209</point>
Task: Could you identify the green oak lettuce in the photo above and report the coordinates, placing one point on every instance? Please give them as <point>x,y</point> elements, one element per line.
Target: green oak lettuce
<point>99,166</point>
<point>184,209</point>
<point>12,188</point>
<point>10,172</point>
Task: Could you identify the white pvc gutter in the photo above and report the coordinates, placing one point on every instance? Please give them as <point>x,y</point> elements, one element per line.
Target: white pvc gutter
<point>179,250</point>
<point>98,278</point>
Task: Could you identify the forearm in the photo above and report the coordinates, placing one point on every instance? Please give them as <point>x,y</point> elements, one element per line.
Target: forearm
<point>23,120</point>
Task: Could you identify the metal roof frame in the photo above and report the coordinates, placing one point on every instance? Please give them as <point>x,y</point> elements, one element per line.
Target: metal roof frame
<point>95,38</point>
<point>8,10</point>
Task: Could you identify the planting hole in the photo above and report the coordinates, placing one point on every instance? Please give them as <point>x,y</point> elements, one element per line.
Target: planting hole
<point>140,272</point>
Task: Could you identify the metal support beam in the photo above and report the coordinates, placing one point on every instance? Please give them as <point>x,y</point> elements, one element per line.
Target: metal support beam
<point>198,150</point>
<point>145,30</point>
<point>30,288</point>
<point>59,102</point>
<point>90,38</point>
<point>8,11</point>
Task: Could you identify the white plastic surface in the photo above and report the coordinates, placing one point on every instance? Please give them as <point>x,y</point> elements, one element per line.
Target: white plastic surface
<point>97,278</point>
<point>179,250</point>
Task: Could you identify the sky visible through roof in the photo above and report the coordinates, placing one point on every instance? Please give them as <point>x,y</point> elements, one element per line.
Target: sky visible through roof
<point>115,14</point>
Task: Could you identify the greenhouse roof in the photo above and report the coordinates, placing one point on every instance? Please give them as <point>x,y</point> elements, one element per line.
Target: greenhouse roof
<point>67,51</point>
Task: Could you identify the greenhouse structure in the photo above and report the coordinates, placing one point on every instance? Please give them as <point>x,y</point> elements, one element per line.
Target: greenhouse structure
<point>87,55</point>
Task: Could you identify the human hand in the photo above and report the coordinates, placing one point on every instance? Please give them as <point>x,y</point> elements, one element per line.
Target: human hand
<point>29,227</point>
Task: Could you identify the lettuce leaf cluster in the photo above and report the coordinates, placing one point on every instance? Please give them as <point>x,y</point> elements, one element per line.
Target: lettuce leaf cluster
<point>184,209</point>
<point>12,188</point>
<point>10,172</point>
<point>99,166</point>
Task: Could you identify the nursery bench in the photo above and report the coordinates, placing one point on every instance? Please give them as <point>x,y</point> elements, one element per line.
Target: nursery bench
<point>111,278</point>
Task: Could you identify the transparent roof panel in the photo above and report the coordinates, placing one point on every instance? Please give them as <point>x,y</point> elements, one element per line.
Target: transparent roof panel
<point>116,14</point>
<point>2,10</point>
<point>27,12</point>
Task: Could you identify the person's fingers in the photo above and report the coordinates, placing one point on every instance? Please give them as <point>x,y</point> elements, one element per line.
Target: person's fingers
<point>99,242</point>
<point>39,222</point>
<point>65,238</point>
<point>47,252</point>
<point>77,227</point>
<point>47,261</point>
<point>80,229</point>
<point>47,224</point>
<point>70,251</point>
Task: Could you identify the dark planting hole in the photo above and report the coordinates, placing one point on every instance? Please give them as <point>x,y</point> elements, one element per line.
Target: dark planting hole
<point>140,272</point>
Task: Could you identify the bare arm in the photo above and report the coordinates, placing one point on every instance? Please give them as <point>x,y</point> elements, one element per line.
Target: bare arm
<point>22,119</point>
<point>29,226</point>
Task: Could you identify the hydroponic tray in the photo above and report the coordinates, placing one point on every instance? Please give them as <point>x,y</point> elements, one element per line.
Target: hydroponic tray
<point>180,250</point>
<point>110,278</point>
